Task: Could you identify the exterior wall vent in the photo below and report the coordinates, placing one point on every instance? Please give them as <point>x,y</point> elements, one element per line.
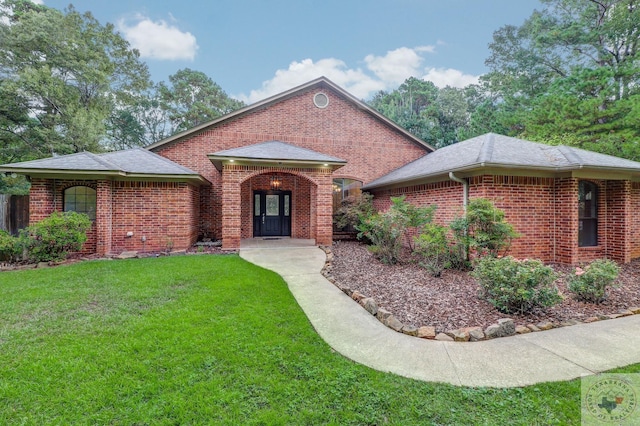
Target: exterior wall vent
<point>320,100</point>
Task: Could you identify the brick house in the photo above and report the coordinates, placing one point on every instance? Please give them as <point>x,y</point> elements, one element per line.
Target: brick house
<point>271,169</point>
<point>278,167</point>
<point>568,205</point>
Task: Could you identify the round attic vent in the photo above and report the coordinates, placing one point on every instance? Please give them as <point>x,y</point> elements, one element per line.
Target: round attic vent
<point>320,100</point>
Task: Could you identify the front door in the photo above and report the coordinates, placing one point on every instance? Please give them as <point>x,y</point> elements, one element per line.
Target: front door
<point>271,213</point>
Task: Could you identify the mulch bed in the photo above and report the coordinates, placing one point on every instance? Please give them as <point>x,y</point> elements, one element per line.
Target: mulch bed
<point>451,301</point>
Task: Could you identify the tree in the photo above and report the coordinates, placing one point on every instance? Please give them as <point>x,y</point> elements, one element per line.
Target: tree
<point>440,116</point>
<point>194,98</point>
<point>61,75</point>
<point>570,74</point>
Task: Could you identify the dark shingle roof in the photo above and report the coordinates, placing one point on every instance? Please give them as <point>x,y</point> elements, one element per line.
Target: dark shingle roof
<point>274,151</point>
<point>129,162</point>
<point>498,151</point>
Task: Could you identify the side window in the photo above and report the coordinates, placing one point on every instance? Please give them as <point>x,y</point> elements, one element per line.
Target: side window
<point>81,199</point>
<point>587,214</point>
<point>342,189</point>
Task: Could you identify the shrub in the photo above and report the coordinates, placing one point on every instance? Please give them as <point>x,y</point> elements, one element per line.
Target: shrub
<point>483,229</point>
<point>386,231</point>
<point>54,237</point>
<point>353,210</point>
<point>516,286</point>
<point>9,248</point>
<point>590,284</point>
<point>432,245</point>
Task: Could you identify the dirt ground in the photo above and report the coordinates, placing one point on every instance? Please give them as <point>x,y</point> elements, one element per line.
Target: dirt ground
<point>451,301</point>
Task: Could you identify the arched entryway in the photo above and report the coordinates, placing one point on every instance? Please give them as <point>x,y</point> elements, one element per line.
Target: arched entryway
<point>277,203</point>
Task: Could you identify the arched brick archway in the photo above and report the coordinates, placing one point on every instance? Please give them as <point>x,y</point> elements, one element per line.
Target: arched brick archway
<point>311,202</point>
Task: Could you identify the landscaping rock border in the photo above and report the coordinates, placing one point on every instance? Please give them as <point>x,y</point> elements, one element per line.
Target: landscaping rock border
<point>504,327</point>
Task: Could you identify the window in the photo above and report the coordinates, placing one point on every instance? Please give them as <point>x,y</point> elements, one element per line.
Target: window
<point>342,189</point>
<point>81,199</point>
<point>587,214</point>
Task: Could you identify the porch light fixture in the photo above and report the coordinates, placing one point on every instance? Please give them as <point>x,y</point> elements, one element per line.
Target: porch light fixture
<point>275,183</point>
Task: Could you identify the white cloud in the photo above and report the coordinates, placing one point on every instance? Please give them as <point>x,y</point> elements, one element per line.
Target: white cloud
<point>159,40</point>
<point>397,65</point>
<point>355,81</point>
<point>442,77</point>
<point>381,73</point>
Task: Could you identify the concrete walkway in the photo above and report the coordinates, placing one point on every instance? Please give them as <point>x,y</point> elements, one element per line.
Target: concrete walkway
<point>554,355</point>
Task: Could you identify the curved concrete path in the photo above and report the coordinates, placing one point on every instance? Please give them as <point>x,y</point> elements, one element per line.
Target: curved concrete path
<point>554,355</point>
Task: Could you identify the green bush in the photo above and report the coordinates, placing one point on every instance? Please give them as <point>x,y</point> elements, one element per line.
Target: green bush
<point>386,231</point>
<point>53,238</point>
<point>516,286</point>
<point>483,229</point>
<point>353,210</point>
<point>9,248</point>
<point>590,284</point>
<point>432,246</point>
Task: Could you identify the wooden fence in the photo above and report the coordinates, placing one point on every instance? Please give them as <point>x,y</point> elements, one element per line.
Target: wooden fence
<point>14,212</point>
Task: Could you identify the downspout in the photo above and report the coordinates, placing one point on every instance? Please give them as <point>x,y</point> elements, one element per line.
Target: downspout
<point>465,203</point>
<point>465,190</point>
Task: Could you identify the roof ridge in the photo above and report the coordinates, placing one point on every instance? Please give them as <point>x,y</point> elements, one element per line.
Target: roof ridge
<point>570,154</point>
<point>102,161</point>
<point>486,151</point>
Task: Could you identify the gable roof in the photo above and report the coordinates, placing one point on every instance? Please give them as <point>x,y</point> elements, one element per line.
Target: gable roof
<point>497,152</point>
<point>321,82</point>
<point>136,162</point>
<point>274,152</point>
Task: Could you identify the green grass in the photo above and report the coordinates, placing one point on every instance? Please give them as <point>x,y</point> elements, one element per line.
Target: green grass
<point>210,340</point>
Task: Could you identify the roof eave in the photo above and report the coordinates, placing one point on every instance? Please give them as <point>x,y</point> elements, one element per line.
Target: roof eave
<point>220,160</point>
<point>473,169</point>
<point>100,174</point>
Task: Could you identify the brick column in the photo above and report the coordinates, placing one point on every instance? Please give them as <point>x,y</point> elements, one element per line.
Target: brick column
<point>566,220</point>
<point>231,209</point>
<point>324,211</point>
<point>41,199</point>
<point>104,217</point>
<point>619,221</point>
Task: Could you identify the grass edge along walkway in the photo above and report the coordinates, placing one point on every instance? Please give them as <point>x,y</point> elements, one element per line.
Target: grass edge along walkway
<point>210,340</point>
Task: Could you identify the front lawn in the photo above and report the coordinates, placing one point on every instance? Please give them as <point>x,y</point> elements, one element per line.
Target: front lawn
<point>209,340</point>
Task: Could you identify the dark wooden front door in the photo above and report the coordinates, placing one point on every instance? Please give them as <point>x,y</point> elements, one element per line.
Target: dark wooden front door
<point>271,213</point>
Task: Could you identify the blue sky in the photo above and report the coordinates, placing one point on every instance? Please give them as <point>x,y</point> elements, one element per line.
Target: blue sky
<point>257,48</point>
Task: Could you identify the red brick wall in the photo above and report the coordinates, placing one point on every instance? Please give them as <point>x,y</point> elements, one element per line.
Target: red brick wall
<point>528,205</point>
<point>46,197</point>
<point>544,211</point>
<point>634,220</point>
<point>370,147</point>
<point>446,195</point>
<point>526,202</point>
<point>165,212</point>
<point>618,225</point>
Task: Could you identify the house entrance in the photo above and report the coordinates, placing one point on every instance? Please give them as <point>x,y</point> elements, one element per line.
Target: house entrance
<point>271,213</point>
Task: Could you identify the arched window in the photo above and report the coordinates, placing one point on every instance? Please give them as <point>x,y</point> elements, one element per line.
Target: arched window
<point>587,214</point>
<point>81,199</point>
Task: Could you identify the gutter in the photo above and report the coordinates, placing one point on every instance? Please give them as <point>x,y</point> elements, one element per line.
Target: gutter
<point>465,190</point>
